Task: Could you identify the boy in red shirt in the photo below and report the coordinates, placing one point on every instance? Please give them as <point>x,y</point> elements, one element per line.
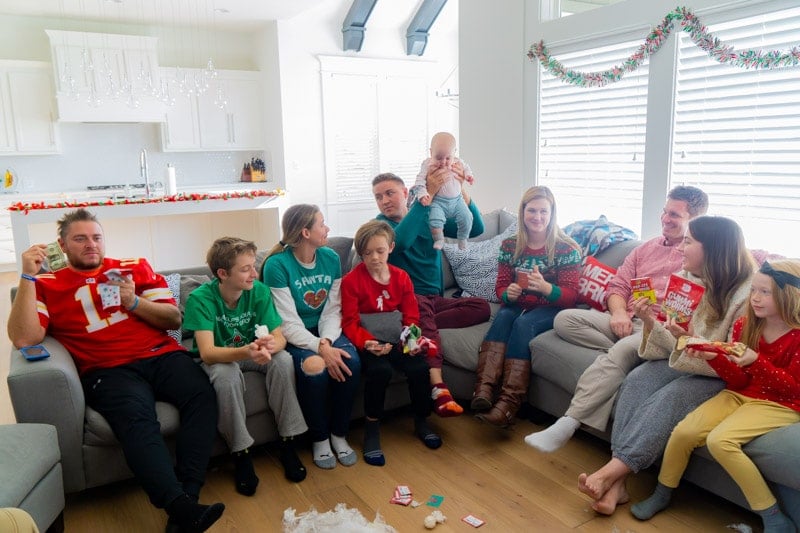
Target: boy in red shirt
<point>376,288</point>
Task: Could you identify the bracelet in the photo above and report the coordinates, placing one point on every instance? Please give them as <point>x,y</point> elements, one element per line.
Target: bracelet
<point>135,304</point>
<point>28,277</point>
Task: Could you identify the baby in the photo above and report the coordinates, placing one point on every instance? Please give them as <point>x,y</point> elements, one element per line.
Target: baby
<point>448,202</point>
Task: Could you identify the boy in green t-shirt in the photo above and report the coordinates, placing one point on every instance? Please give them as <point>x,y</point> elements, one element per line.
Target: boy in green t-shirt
<point>224,315</point>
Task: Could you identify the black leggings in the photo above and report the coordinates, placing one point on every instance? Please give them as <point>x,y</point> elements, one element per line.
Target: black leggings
<point>377,372</point>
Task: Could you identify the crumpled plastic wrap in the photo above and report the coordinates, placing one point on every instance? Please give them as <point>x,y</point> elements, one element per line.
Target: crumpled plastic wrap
<point>340,519</point>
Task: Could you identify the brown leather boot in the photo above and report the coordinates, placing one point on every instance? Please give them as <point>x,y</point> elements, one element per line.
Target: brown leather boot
<point>516,378</point>
<point>490,367</point>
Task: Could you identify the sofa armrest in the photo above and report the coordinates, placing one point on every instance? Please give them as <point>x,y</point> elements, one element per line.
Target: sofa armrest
<point>49,391</point>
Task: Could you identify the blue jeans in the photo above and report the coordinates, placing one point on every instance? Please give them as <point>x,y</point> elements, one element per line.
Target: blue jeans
<point>313,392</point>
<point>516,327</point>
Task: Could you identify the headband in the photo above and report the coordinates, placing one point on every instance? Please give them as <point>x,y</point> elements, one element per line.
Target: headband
<point>781,278</point>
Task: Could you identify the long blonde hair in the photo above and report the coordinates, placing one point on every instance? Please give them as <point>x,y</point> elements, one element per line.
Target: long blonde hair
<point>554,233</point>
<point>787,302</point>
<point>295,219</point>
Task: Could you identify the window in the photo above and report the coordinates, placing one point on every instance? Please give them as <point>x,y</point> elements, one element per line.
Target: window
<point>737,131</point>
<point>376,119</point>
<point>591,140</point>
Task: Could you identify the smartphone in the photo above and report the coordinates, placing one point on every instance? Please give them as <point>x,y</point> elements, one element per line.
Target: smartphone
<point>35,352</point>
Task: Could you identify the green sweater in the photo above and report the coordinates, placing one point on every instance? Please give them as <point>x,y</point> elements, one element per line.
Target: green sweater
<point>414,252</point>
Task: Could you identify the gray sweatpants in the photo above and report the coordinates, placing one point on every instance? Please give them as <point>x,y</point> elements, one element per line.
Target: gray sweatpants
<point>597,387</point>
<point>651,402</point>
<point>228,382</point>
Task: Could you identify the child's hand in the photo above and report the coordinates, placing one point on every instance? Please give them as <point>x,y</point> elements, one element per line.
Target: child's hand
<point>425,200</point>
<point>268,342</point>
<point>259,354</point>
<point>699,354</point>
<point>377,348</point>
<point>747,358</point>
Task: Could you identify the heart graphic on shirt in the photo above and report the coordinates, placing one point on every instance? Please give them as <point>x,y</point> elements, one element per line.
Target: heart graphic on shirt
<point>315,299</point>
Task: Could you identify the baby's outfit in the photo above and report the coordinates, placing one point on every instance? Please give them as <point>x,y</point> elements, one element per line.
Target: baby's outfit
<point>448,202</point>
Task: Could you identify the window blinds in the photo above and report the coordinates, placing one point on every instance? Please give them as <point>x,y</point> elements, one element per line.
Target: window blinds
<point>591,140</point>
<point>737,131</point>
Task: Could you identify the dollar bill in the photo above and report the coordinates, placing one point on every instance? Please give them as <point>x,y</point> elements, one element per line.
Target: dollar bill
<point>56,260</point>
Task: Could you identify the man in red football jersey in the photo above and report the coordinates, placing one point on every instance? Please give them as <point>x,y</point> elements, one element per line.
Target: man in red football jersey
<point>112,316</point>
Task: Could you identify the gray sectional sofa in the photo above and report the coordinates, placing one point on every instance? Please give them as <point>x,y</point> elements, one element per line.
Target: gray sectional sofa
<point>49,392</point>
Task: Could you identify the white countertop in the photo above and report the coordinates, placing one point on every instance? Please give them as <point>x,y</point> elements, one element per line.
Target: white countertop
<point>84,194</point>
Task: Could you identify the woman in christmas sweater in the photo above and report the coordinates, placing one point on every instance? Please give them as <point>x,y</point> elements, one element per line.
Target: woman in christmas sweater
<point>537,276</point>
<point>762,393</point>
<point>377,288</point>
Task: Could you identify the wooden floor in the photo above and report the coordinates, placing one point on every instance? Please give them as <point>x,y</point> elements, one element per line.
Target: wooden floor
<point>489,473</point>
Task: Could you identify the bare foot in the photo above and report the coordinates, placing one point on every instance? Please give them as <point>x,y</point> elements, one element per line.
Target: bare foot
<point>594,486</point>
<point>617,494</point>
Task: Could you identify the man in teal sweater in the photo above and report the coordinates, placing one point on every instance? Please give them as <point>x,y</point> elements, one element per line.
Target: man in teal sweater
<point>414,253</point>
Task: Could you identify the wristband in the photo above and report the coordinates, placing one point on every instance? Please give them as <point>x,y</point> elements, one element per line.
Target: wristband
<point>135,304</point>
<point>28,277</point>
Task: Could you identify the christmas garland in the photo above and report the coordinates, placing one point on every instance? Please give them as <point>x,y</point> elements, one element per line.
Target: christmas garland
<point>722,53</point>
<point>182,197</point>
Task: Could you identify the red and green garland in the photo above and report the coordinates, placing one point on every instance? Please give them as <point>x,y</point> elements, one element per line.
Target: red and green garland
<point>718,51</point>
<point>182,197</point>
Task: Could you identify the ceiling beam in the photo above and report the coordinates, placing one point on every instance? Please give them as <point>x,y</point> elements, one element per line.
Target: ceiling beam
<point>355,24</point>
<point>417,33</point>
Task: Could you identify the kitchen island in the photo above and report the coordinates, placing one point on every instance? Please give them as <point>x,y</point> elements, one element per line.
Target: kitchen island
<point>171,232</point>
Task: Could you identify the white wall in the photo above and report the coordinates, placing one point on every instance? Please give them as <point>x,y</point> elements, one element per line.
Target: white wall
<point>318,32</point>
<point>492,119</point>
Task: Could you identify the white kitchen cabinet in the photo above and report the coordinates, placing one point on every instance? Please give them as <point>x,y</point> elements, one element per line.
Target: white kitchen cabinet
<point>27,109</point>
<point>198,122</point>
<point>103,77</point>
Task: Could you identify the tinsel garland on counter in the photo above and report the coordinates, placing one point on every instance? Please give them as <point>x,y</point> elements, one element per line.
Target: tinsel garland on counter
<point>181,197</point>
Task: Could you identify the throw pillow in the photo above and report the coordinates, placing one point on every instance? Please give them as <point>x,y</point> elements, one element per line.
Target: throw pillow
<point>475,268</point>
<point>385,327</point>
<point>595,277</point>
<point>174,284</point>
<point>189,282</point>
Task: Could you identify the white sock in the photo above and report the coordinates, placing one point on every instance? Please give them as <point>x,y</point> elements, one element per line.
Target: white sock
<point>554,437</point>
<point>322,450</point>
<point>340,445</point>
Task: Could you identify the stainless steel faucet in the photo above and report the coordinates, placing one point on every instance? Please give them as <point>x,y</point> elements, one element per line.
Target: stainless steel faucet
<point>144,172</point>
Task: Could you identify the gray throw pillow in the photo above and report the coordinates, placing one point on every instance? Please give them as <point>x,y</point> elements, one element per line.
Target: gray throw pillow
<point>386,327</point>
<point>475,268</point>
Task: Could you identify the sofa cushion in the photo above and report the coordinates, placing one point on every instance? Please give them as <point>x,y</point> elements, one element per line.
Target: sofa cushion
<point>97,432</point>
<point>460,346</point>
<point>27,453</point>
<point>475,268</point>
<point>614,255</point>
<point>189,282</point>
<point>494,222</point>
<point>559,361</point>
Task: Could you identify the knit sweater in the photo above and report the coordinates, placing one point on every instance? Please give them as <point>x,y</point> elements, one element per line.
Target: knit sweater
<point>563,273</point>
<point>774,376</point>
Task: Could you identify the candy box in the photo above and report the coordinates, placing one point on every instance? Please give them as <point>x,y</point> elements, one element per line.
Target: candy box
<point>680,300</point>
<point>643,287</point>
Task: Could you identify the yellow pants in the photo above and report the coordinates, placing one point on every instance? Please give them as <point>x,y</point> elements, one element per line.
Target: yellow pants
<point>725,423</point>
<point>16,521</point>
